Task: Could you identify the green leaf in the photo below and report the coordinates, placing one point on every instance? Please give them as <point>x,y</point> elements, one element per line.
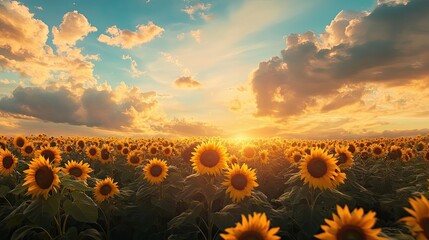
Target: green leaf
<point>73,184</point>
<point>42,211</point>
<point>82,209</point>
<point>25,232</point>
<point>186,218</point>
<point>19,190</point>
<point>4,190</point>
<point>90,233</point>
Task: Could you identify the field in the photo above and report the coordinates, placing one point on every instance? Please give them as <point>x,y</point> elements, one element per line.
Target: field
<point>206,188</point>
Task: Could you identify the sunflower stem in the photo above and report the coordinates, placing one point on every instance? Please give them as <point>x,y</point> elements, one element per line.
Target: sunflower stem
<point>209,219</point>
<point>160,191</point>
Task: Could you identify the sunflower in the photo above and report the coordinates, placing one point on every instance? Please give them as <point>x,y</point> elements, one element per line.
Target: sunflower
<point>252,227</point>
<point>263,156</point>
<point>155,171</point>
<point>209,158</point>
<point>420,146</point>
<point>167,151</point>
<point>80,144</point>
<point>19,141</point>
<point>352,148</point>
<point>152,150</point>
<point>320,170</point>
<point>119,146</point>
<point>125,151</point>
<point>105,189</point>
<point>50,153</point>
<point>7,162</point>
<point>3,144</point>
<point>294,157</point>
<point>248,153</point>
<point>92,152</point>
<point>41,177</point>
<point>418,222</point>
<point>377,150</point>
<point>240,181</point>
<point>68,148</point>
<point>395,152</point>
<point>104,155</point>
<point>79,170</point>
<point>27,149</point>
<point>344,156</point>
<point>134,158</point>
<point>350,225</point>
<point>232,159</point>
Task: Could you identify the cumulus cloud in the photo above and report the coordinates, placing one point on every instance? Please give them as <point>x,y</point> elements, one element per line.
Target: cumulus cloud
<point>23,48</point>
<point>188,128</point>
<point>128,39</point>
<point>135,72</point>
<point>6,81</point>
<point>196,35</point>
<point>235,105</point>
<point>122,108</point>
<point>191,10</point>
<point>187,82</point>
<point>389,46</point>
<point>74,27</point>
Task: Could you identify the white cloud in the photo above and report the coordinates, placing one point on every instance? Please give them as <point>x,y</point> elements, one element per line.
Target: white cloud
<point>135,72</point>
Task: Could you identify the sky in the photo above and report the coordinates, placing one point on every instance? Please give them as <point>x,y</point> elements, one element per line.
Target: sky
<point>313,69</point>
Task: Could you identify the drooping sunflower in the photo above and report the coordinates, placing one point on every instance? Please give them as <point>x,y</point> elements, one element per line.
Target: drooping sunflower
<point>377,150</point>
<point>350,225</point>
<point>105,156</point>
<point>263,156</point>
<point>320,170</point>
<point>344,157</point>
<point>92,152</point>
<point>135,158</point>
<point>79,170</point>
<point>41,177</point>
<point>155,171</point>
<point>19,141</point>
<point>105,189</point>
<point>27,150</point>
<point>209,158</point>
<point>7,162</point>
<point>252,227</point>
<point>52,154</point>
<point>418,222</point>
<point>240,181</point>
<point>248,153</point>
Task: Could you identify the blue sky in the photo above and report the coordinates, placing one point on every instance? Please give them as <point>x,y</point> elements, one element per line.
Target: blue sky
<point>214,47</point>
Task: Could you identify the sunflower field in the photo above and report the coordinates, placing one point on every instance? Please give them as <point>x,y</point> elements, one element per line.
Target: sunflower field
<point>213,188</point>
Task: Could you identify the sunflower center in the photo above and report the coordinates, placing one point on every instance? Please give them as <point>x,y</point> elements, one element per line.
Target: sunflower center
<point>297,158</point>
<point>44,177</point>
<point>350,232</point>
<point>81,144</point>
<point>210,158</point>
<point>7,162</point>
<point>75,171</point>
<point>251,235</point>
<point>69,149</point>
<point>119,147</point>
<point>28,149</point>
<point>92,151</point>
<point>424,224</point>
<point>377,150</point>
<point>134,159</point>
<point>420,147</point>
<point>167,151</point>
<point>20,142</point>
<point>156,170</point>
<point>239,181</point>
<point>351,148</point>
<point>153,150</point>
<point>317,168</point>
<point>105,189</point>
<point>48,155</point>
<point>105,154</point>
<point>249,152</point>
<point>2,146</point>
<point>342,158</point>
